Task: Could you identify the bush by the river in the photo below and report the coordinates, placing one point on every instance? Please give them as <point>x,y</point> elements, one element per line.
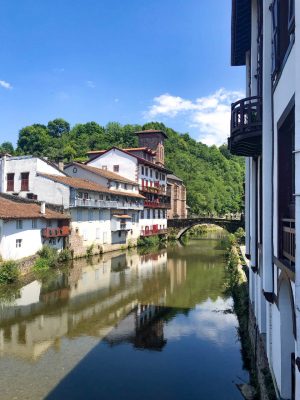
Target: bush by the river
<point>9,272</point>
<point>50,258</point>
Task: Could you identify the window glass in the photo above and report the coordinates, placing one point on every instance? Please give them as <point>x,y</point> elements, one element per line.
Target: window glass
<point>19,224</point>
<point>116,168</point>
<point>34,223</point>
<point>18,243</point>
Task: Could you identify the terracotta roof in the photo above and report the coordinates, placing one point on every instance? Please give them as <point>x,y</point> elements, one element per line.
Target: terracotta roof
<point>84,184</point>
<point>147,149</point>
<point>104,173</point>
<point>10,209</point>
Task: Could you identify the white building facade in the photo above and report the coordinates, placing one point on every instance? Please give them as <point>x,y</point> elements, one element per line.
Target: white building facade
<point>26,227</point>
<point>265,128</point>
<point>144,166</point>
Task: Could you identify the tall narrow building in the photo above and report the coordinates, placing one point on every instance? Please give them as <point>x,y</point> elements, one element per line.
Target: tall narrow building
<point>265,129</point>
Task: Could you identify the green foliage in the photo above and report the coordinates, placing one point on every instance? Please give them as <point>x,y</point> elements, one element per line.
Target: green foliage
<point>9,272</point>
<point>64,256</point>
<point>41,264</point>
<point>7,147</point>
<point>240,235</point>
<point>213,177</point>
<point>89,251</point>
<point>50,254</point>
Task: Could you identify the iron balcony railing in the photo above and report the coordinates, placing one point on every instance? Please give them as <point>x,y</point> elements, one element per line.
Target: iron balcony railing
<point>151,232</point>
<point>93,203</point>
<point>288,243</point>
<point>156,204</point>
<point>246,126</point>
<point>55,232</point>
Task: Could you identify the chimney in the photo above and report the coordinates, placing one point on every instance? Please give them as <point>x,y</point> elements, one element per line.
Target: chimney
<point>43,208</point>
<point>61,165</point>
<point>3,173</point>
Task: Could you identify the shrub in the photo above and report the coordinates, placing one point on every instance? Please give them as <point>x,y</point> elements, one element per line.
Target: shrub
<point>50,254</point>
<point>9,272</point>
<point>64,256</point>
<point>240,235</point>
<point>89,250</point>
<point>41,264</point>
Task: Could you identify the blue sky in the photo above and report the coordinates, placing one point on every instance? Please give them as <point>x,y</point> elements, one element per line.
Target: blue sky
<point>129,61</point>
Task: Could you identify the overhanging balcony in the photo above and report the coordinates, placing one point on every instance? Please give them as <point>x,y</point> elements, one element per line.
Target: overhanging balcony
<point>246,127</point>
<point>94,203</point>
<point>55,232</point>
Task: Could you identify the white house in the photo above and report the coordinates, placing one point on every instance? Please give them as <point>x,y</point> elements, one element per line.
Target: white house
<point>265,128</point>
<point>145,166</point>
<point>25,227</point>
<point>101,219</point>
<point>20,176</point>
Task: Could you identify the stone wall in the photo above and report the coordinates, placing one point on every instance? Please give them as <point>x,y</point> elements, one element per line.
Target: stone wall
<point>260,360</point>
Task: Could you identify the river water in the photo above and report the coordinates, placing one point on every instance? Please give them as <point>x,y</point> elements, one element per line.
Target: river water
<point>124,326</point>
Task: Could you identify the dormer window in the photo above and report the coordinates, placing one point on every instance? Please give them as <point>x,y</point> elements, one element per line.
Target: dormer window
<point>116,168</point>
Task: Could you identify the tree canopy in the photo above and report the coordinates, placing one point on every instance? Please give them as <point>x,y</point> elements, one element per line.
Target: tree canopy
<point>213,177</point>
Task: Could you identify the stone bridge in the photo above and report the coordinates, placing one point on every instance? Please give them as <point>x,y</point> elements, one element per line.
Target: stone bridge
<point>183,225</point>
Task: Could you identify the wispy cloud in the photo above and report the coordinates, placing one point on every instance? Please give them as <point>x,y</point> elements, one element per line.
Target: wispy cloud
<point>58,70</point>
<point>116,100</point>
<point>5,85</point>
<point>90,84</point>
<point>210,114</point>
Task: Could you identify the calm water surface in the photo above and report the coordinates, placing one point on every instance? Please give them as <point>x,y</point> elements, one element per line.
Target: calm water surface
<point>126,326</point>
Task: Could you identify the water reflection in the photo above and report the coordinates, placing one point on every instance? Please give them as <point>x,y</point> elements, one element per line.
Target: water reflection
<point>54,330</point>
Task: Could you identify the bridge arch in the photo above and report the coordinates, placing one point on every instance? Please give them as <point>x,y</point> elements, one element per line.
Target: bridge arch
<point>183,225</point>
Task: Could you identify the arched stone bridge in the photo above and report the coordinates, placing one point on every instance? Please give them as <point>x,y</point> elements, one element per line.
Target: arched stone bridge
<point>183,225</point>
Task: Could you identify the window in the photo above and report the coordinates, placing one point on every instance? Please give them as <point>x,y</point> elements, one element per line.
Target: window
<point>142,214</point>
<point>133,218</point>
<point>158,213</point>
<point>148,213</point>
<point>104,167</point>
<point>146,171</point>
<point>79,214</point>
<point>90,215</point>
<point>125,186</point>
<point>34,224</point>
<point>18,243</point>
<point>85,195</point>
<point>49,223</point>
<point>116,168</point>
<point>150,173</point>
<point>156,175</point>
<point>117,185</point>
<point>100,196</point>
<point>25,181</point>
<point>143,170</point>
<point>283,22</point>
<point>52,241</point>
<point>101,215</point>
<point>19,224</point>
<point>10,182</point>
<point>163,177</point>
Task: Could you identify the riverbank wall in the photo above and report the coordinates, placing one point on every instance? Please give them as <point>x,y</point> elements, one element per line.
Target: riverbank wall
<point>253,343</point>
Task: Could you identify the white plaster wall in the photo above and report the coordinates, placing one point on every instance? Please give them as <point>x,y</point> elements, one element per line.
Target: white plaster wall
<point>77,172</point>
<point>45,189</point>
<point>127,163</point>
<point>32,240</point>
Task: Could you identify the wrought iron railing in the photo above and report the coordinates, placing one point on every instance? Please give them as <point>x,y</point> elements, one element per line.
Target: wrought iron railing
<point>246,115</point>
<point>288,243</point>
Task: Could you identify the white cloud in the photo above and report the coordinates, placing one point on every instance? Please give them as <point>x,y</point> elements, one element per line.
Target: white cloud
<point>116,100</point>
<point>5,85</point>
<point>91,84</point>
<point>210,114</point>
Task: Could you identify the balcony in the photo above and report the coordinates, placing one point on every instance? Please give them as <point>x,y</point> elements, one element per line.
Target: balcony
<point>93,203</point>
<point>55,232</point>
<point>156,204</point>
<point>121,223</point>
<point>153,231</point>
<point>288,240</point>
<point>246,127</point>
<point>156,189</point>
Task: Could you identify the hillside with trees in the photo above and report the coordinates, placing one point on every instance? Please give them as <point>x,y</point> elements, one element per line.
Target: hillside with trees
<point>213,177</point>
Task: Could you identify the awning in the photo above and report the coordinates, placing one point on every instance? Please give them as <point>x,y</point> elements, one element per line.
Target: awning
<point>122,216</point>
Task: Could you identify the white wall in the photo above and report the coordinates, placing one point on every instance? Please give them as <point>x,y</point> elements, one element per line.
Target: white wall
<point>32,240</point>
<point>127,164</point>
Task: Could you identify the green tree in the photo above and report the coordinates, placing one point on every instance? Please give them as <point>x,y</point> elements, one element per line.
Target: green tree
<point>58,127</point>
<point>34,139</point>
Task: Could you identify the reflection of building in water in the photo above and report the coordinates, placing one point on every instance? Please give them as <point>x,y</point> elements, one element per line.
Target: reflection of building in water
<point>143,327</point>
<point>177,271</point>
<point>86,300</point>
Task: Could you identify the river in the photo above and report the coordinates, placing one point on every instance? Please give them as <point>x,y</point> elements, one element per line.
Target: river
<point>124,326</point>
